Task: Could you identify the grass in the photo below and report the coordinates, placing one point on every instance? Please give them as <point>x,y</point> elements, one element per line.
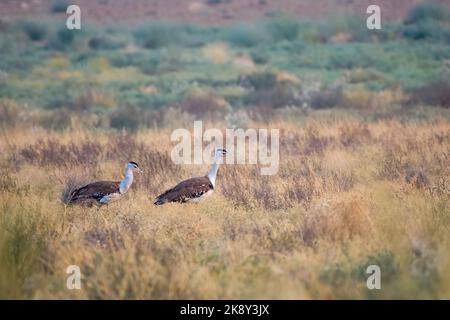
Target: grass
<point>363,177</point>
<point>342,200</point>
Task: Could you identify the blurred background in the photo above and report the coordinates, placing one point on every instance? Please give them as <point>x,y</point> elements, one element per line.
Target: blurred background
<point>139,63</point>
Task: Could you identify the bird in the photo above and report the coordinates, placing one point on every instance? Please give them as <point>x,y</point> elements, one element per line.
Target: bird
<point>194,189</point>
<point>104,192</point>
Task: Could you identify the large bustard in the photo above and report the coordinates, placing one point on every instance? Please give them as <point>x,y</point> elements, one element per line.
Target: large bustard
<point>104,192</point>
<point>194,189</point>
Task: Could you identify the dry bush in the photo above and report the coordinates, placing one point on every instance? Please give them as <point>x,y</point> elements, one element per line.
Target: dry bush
<point>326,98</point>
<point>11,114</point>
<point>206,106</point>
<point>52,152</point>
<point>417,177</point>
<point>338,221</point>
<point>92,98</point>
<point>354,134</point>
<point>436,93</point>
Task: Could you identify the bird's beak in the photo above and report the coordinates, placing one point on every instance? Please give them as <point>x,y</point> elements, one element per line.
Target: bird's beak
<point>141,171</point>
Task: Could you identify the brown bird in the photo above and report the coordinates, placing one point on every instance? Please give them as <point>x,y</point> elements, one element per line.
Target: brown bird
<point>104,192</point>
<point>193,189</point>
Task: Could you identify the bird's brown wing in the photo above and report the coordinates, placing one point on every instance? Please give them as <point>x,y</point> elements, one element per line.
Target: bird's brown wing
<point>95,191</point>
<point>186,190</point>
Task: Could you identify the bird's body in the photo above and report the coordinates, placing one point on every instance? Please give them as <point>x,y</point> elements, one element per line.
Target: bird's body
<point>103,192</point>
<point>190,190</point>
<point>194,189</point>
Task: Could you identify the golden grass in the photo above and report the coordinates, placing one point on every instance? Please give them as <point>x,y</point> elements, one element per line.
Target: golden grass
<point>340,202</point>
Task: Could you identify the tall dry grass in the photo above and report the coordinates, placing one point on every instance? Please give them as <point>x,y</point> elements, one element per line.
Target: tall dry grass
<point>348,194</point>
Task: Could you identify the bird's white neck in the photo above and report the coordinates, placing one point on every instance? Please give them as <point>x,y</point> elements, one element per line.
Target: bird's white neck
<point>125,184</point>
<point>213,171</point>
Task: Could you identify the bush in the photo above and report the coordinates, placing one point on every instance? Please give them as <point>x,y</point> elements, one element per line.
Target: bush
<point>62,39</point>
<point>205,105</point>
<point>426,30</point>
<point>268,90</point>
<point>104,43</point>
<point>435,93</point>
<point>245,36</point>
<point>326,98</point>
<point>128,118</point>
<point>59,6</point>
<point>284,28</point>
<point>426,12</point>
<point>258,81</point>
<point>344,28</point>
<point>154,36</point>
<point>35,31</point>
<point>10,113</point>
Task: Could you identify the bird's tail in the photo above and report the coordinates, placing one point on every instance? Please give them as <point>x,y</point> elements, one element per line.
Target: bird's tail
<point>160,201</point>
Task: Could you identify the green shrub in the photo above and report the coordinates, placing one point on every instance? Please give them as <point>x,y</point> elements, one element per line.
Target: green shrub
<point>345,24</point>
<point>158,35</point>
<point>35,31</point>
<point>62,39</point>
<point>283,28</point>
<point>245,36</point>
<point>59,6</point>
<point>426,12</point>
<point>258,81</point>
<point>104,42</point>
<point>426,29</point>
<point>259,57</point>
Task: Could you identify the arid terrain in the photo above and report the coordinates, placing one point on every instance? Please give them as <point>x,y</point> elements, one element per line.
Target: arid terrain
<point>364,158</point>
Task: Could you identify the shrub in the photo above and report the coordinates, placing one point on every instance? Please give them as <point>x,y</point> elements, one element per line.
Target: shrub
<point>62,39</point>
<point>284,28</point>
<point>10,113</point>
<point>344,28</point>
<point>326,98</point>
<point>56,120</point>
<point>128,118</point>
<point>205,105</point>
<point>105,43</point>
<point>35,31</point>
<point>59,6</point>
<point>435,93</point>
<point>259,57</point>
<point>426,30</point>
<point>245,36</point>
<point>269,90</point>
<point>154,36</point>
<point>258,81</point>
<point>426,12</point>
<point>427,20</point>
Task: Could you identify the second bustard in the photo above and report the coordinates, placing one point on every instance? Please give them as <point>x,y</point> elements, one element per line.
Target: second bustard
<point>104,192</point>
<point>194,189</point>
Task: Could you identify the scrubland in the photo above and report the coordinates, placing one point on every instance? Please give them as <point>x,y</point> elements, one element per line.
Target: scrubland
<point>364,175</point>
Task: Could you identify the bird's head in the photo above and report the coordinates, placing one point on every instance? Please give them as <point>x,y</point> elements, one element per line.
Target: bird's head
<point>220,152</point>
<point>134,166</point>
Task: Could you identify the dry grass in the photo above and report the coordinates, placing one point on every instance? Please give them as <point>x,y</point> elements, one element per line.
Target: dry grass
<point>348,194</point>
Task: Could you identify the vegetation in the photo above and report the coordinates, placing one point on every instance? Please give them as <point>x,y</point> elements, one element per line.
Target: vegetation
<point>364,164</point>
